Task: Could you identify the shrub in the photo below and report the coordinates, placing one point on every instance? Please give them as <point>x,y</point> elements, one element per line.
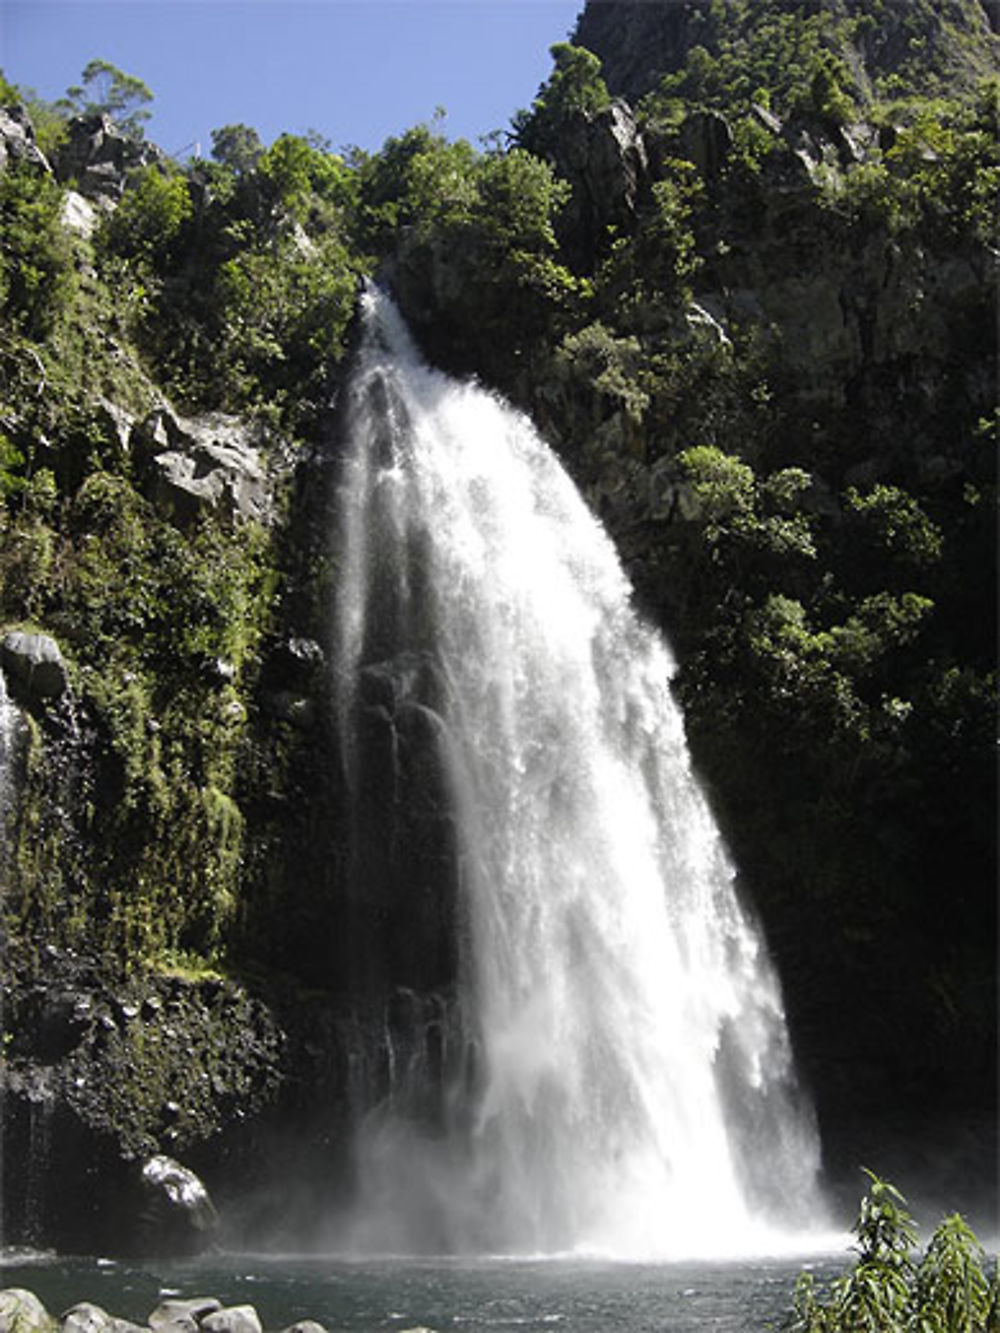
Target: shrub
<point>37,280</point>
<point>891,1289</point>
<point>150,217</point>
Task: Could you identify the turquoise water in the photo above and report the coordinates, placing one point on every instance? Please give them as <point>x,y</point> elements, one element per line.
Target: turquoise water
<point>550,1296</point>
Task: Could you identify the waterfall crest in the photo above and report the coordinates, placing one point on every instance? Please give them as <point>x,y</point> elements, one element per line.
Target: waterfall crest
<point>607,1066</point>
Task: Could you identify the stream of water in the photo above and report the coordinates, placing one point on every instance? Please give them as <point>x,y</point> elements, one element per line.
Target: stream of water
<point>615,1073</point>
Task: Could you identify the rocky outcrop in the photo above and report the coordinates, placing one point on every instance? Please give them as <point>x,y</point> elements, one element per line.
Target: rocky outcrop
<point>233,1319</point>
<point>102,1082</point>
<point>603,158</point>
<point>17,139</point>
<point>706,140</point>
<point>638,42</point>
<point>34,665</point>
<point>193,466</point>
<point>96,158</point>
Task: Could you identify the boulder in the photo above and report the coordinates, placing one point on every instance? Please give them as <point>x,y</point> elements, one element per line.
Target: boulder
<point>178,1312</point>
<point>17,139</point>
<point>22,1312</point>
<point>34,663</point>
<point>232,1319</point>
<point>88,1318</point>
<point>179,1216</point>
<point>193,466</point>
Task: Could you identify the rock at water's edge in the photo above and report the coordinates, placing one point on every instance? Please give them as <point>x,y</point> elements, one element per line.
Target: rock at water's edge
<point>22,1312</point>
<point>179,1216</point>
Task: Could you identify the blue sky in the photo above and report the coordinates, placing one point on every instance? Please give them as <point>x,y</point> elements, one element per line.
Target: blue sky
<point>355,70</point>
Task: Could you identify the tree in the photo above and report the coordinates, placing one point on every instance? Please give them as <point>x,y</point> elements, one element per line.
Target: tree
<point>574,89</point>
<point>237,147</point>
<point>107,90</point>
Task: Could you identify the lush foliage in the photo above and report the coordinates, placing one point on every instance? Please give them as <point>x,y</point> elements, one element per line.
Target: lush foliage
<point>36,268</point>
<point>893,1289</point>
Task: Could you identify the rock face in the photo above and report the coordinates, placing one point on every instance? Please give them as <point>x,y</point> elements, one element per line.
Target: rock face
<point>100,1079</point>
<point>638,42</point>
<point>201,465</point>
<point>404,901</point>
<point>604,159</point>
<point>34,663</point>
<point>79,214</point>
<point>98,158</point>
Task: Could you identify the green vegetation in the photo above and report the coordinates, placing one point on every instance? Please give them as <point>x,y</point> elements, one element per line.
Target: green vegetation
<point>37,278</point>
<point>892,1289</point>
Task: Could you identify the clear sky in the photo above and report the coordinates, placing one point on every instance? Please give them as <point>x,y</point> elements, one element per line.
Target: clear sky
<point>354,70</point>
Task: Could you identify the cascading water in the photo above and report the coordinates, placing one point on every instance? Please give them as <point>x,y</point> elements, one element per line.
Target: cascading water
<point>10,725</point>
<point>608,1067</point>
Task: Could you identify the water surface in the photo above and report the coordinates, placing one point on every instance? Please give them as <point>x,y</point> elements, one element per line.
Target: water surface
<point>543,1296</point>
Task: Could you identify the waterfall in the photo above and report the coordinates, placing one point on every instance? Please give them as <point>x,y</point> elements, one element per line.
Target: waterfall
<point>10,725</point>
<point>608,1068</point>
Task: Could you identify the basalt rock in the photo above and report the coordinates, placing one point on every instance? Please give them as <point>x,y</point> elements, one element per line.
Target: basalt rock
<point>179,1216</point>
<point>100,1078</point>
